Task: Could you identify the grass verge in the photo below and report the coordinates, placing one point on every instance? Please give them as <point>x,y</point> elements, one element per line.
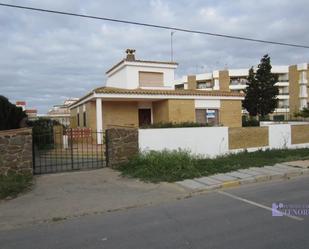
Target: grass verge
<point>171,166</point>
<point>13,184</point>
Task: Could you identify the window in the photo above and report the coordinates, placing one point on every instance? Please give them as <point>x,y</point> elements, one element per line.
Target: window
<point>207,116</point>
<point>78,123</point>
<point>204,84</point>
<point>180,86</point>
<point>84,118</point>
<point>150,79</point>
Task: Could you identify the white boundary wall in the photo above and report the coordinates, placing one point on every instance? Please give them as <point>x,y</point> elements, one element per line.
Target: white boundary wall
<point>209,141</point>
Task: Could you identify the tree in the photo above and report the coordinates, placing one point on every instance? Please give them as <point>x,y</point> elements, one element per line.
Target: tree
<point>251,97</point>
<point>304,113</point>
<point>261,92</point>
<point>10,114</point>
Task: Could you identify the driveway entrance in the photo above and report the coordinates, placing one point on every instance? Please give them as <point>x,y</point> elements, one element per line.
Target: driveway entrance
<point>67,150</point>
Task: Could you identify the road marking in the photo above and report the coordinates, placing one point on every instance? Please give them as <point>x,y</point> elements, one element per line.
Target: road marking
<point>256,204</point>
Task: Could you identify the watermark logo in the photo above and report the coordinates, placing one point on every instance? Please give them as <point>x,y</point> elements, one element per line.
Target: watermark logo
<point>275,209</point>
<point>281,209</point>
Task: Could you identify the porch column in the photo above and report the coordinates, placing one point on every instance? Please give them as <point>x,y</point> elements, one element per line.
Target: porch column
<point>99,119</point>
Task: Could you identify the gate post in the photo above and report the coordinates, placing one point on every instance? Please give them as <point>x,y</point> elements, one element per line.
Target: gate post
<point>71,147</point>
<point>121,144</point>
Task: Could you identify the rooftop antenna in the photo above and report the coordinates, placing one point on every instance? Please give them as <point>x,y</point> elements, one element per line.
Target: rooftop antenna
<point>172,52</point>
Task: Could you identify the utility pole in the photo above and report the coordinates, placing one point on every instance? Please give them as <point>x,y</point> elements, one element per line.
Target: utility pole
<point>172,52</point>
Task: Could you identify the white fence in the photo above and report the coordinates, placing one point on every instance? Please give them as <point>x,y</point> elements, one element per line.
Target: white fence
<point>210,141</point>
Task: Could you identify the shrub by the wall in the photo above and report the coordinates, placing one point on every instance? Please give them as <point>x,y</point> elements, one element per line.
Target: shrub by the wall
<point>174,125</point>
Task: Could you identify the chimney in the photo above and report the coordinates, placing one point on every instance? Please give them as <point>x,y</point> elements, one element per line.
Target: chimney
<point>130,54</point>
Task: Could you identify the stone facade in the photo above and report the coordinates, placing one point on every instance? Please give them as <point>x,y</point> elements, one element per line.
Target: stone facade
<point>16,151</point>
<point>121,144</point>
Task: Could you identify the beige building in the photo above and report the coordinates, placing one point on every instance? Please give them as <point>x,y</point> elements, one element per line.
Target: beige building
<point>32,114</point>
<point>292,83</point>
<point>139,92</point>
<point>61,113</point>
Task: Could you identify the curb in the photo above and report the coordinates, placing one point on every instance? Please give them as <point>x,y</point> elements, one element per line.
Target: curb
<point>264,174</point>
<point>230,184</point>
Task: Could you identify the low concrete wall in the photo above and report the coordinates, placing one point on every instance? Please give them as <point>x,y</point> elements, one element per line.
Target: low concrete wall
<point>209,141</point>
<point>121,144</point>
<point>248,137</point>
<point>215,141</point>
<point>16,151</point>
<point>279,136</point>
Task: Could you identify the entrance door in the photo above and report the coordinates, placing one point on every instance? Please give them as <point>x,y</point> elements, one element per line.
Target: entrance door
<point>144,117</point>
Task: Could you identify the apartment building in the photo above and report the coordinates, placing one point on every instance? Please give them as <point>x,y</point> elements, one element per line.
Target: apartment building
<point>292,83</point>
<point>61,113</point>
<point>31,113</point>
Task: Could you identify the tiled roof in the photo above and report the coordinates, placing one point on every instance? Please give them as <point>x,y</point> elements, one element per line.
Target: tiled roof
<point>31,111</point>
<point>142,61</point>
<point>179,92</point>
<point>20,102</point>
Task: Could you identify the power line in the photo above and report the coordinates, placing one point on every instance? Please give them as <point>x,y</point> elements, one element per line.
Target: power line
<point>154,26</point>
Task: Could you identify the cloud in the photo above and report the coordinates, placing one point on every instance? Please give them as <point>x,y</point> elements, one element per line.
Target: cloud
<point>46,58</point>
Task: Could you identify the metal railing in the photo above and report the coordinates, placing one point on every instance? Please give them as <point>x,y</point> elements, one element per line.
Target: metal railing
<point>66,151</point>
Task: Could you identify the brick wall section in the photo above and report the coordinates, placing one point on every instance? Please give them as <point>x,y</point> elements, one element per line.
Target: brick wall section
<point>248,137</point>
<point>174,110</point>
<point>16,151</point>
<point>181,110</point>
<point>224,80</point>
<point>121,144</point>
<point>192,82</point>
<point>300,134</point>
<point>122,113</point>
<point>160,111</point>
<point>230,113</point>
<point>293,89</point>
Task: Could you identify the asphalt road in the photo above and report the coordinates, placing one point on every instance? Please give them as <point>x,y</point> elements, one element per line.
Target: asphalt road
<point>239,219</point>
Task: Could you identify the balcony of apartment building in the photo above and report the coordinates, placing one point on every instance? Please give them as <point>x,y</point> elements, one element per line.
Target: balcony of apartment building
<point>237,83</point>
<point>303,92</point>
<point>283,106</point>
<point>303,78</point>
<point>204,84</point>
<point>283,93</point>
<point>283,80</point>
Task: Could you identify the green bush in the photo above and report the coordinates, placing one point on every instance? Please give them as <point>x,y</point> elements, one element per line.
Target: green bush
<point>10,115</point>
<point>164,165</point>
<point>177,165</point>
<point>175,125</point>
<point>43,132</point>
<point>250,122</point>
<point>13,184</point>
<point>278,117</point>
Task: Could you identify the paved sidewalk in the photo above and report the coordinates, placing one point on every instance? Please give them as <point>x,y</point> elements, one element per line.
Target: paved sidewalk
<point>247,176</point>
<point>60,196</point>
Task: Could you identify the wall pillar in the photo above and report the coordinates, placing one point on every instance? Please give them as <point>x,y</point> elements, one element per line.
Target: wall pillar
<point>99,120</point>
<point>192,82</point>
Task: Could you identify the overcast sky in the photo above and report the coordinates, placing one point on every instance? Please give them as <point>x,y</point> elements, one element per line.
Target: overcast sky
<point>46,58</point>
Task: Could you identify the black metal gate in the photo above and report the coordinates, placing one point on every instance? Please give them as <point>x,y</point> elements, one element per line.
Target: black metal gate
<point>67,150</point>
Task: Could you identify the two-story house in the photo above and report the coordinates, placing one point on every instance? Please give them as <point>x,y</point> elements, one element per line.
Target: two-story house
<point>140,92</point>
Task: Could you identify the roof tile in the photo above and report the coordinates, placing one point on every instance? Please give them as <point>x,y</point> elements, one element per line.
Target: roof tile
<point>179,92</point>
